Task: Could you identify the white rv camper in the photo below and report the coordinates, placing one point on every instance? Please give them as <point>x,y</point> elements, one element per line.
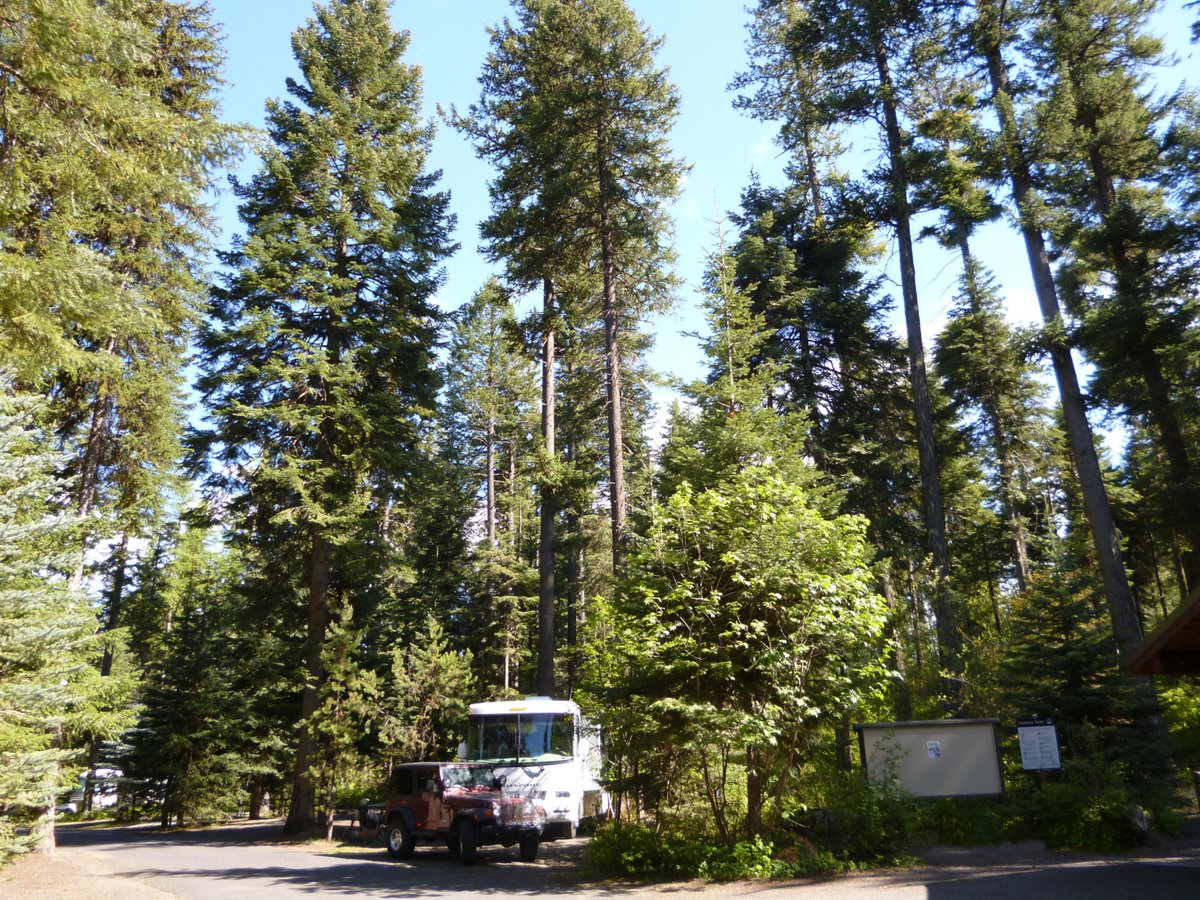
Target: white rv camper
<point>544,749</point>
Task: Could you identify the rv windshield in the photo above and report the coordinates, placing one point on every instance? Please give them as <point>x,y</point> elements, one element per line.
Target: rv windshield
<point>533,737</point>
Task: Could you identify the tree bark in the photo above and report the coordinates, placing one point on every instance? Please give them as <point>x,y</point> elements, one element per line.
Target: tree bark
<point>949,639</point>
<point>544,680</point>
<point>89,467</point>
<point>1105,538</point>
<point>901,691</point>
<point>612,360</point>
<point>302,813</point>
<point>257,795</point>
<point>490,462</point>
<point>754,792</point>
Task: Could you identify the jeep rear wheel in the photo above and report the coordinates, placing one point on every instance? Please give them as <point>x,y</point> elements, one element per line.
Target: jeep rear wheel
<point>399,839</point>
<point>468,841</point>
<point>529,847</point>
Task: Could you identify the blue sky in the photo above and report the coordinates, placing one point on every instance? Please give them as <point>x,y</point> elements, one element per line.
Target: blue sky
<point>704,49</point>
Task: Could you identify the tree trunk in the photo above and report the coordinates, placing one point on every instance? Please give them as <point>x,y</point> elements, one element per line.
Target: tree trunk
<point>116,595</point>
<point>89,468</point>
<point>901,691</point>
<point>257,793</point>
<point>845,745</point>
<point>1105,538</point>
<point>612,361</point>
<point>302,814</point>
<point>949,640</point>
<point>544,680</point>
<point>490,462</point>
<point>754,792</point>
<point>574,601</point>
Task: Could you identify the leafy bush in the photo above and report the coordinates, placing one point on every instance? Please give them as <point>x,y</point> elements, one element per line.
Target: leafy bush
<point>628,849</point>
<point>1089,808</point>
<point>746,859</point>
<point>637,851</point>
<point>863,824</point>
<point>965,821</point>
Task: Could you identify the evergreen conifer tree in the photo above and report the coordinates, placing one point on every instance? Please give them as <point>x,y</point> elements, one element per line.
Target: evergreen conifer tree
<point>576,115</point>
<point>190,751</point>
<point>857,51</point>
<point>47,630</point>
<point>319,358</point>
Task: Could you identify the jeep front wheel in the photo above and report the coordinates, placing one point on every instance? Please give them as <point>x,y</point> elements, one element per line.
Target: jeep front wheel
<point>468,841</point>
<point>399,839</point>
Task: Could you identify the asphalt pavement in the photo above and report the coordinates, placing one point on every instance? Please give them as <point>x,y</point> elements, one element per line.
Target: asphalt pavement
<point>251,861</point>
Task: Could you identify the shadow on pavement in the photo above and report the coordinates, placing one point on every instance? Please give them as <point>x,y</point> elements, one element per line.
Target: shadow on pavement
<point>1112,881</point>
<point>296,867</point>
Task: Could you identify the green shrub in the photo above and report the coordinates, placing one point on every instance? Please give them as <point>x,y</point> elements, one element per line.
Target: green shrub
<point>746,859</point>
<point>864,823</point>
<point>1088,809</point>
<point>627,849</point>
<point>965,821</point>
<point>637,851</point>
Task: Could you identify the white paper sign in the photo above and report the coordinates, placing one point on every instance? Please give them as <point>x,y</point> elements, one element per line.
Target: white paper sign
<point>935,749</point>
<point>1039,747</point>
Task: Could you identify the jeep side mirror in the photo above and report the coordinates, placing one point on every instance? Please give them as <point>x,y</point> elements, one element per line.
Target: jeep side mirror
<point>462,751</point>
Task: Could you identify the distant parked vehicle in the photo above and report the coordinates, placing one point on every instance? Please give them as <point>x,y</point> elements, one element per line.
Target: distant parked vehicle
<point>462,804</point>
<point>104,791</point>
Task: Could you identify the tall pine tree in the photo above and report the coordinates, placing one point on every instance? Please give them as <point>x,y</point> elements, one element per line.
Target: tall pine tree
<point>319,357</point>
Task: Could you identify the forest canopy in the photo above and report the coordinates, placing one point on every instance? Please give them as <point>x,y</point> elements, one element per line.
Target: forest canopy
<point>274,508</point>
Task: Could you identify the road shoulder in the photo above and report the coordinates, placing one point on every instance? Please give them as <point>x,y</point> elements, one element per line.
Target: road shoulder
<point>70,874</point>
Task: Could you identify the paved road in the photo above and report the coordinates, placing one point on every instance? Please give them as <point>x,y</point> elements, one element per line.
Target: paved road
<point>234,862</point>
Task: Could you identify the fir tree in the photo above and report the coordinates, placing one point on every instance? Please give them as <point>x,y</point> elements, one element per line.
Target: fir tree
<point>191,750</point>
<point>428,693</point>
<point>576,115</point>
<point>490,396</point>
<point>319,359</point>
<point>1100,123</point>
<point>1061,663</point>
<point>47,630</point>
<point>990,34</point>
<point>347,697</point>
<point>856,51</point>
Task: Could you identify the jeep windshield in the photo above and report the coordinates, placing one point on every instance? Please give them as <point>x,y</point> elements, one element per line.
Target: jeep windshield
<point>520,737</point>
<point>468,778</point>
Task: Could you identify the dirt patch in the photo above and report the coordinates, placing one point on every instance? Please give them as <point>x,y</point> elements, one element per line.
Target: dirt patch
<point>69,874</point>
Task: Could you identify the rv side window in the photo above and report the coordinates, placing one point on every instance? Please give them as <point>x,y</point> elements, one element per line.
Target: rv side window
<point>562,736</point>
<point>402,782</point>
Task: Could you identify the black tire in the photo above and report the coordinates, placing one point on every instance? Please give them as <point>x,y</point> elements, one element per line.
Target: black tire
<point>529,847</point>
<point>400,842</point>
<point>468,841</point>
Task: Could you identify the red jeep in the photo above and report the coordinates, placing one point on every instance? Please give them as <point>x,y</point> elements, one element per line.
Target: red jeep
<point>463,804</point>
